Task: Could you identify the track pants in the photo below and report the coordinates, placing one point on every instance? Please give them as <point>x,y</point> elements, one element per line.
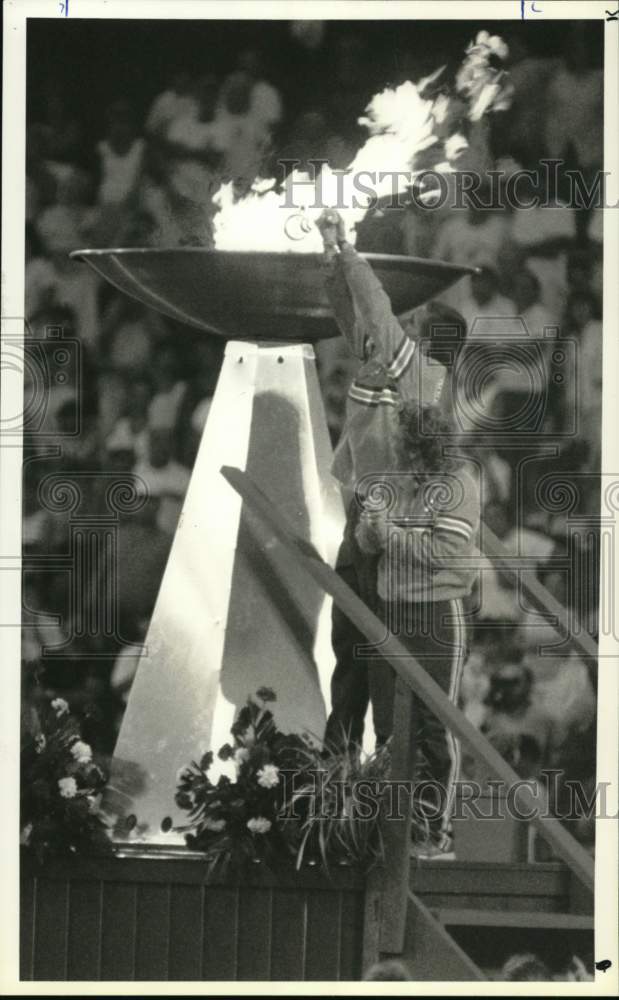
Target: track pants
<point>435,634</point>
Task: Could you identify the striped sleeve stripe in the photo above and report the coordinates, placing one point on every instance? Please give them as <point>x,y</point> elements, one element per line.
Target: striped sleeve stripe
<point>402,358</point>
<point>371,397</point>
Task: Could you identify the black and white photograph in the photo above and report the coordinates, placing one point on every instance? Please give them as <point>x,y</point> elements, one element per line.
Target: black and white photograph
<point>310,497</point>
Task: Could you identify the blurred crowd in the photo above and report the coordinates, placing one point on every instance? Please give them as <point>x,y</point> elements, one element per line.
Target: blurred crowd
<point>140,385</point>
<point>518,968</point>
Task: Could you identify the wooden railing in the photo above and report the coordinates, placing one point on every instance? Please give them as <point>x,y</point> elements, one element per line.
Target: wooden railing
<point>411,677</point>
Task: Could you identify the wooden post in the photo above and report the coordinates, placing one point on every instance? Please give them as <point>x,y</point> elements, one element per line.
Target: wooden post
<point>397,829</point>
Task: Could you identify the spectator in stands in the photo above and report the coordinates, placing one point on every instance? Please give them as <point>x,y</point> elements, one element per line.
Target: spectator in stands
<point>131,430</point>
<point>169,224</point>
<point>577,971</point>
<point>169,389</point>
<point>141,553</point>
<point>40,181</point>
<point>62,132</point>
<point>477,235</point>
<point>581,321</point>
<point>390,970</point>
<point>127,336</point>
<point>76,289</point>
<point>40,277</point>
<point>301,63</point>
<point>542,236</point>
<point>474,689</point>
<point>192,414</point>
<point>563,689</point>
<point>166,480</point>
<point>516,725</point>
<point>574,103</point>
<point>120,156</point>
<point>524,968</point>
<point>350,85</point>
<point>307,139</point>
<point>473,233</point>
<point>522,127</point>
<point>67,224</point>
<point>119,455</point>
<point>195,145</point>
<point>526,293</point>
<point>484,300</point>
<point>265,102</point>
<point>244,139</point>
<point>176,102</point>
<point>80,452</point>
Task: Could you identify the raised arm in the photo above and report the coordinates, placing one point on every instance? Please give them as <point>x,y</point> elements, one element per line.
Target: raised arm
<point>361,306</point>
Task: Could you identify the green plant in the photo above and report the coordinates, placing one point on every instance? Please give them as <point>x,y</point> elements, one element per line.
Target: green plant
<point>334,813</point>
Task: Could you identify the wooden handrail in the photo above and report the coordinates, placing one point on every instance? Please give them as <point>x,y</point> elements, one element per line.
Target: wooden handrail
<point>406,667</point>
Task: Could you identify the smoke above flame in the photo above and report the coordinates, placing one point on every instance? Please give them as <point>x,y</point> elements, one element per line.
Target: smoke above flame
<point>402,123</point>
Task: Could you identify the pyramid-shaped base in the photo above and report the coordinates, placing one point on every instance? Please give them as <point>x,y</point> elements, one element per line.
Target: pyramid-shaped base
<point>230,618</point>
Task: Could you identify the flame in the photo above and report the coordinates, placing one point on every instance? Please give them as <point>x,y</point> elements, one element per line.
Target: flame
<point>401,124</point>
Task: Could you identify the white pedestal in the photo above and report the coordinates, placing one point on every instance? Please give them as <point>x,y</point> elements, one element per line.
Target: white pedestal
<point>230,618</point>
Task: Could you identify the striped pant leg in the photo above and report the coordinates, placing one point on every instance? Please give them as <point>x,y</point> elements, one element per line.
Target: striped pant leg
<point>442,653</point>
<point>453,743</point>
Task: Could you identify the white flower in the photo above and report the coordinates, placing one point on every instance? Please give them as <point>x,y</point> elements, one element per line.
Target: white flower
<point>82,752</point>
<point>216,825</point>
<point>259,824</point>
<point>60,706</point>
<point>40,743</point>
<point>24,837</point>
<point>240,756</point>
<point>68,787</point>
<point>268,776</point>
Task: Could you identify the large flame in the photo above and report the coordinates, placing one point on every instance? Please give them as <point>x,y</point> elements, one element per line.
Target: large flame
<point>401,124</point>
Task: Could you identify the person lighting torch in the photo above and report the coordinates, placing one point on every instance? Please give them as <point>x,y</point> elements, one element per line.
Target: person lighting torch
<point>403,559</point>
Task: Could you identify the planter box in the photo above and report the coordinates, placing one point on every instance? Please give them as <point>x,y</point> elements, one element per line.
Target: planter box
<point>162,918</point>
<point>159,916</point>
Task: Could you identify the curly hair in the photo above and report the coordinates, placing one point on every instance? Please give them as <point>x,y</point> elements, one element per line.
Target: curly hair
<point>423,431</point>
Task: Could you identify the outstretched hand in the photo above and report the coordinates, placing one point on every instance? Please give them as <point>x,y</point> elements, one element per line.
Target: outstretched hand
<point>332,228</point>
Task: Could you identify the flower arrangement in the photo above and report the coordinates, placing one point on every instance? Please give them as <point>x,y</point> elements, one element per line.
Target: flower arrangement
<point>235,822</point>
<point>61,784</point>
<point>289,799</point>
